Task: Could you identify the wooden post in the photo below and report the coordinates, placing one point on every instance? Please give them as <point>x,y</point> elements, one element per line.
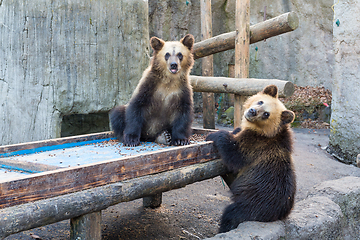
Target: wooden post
<point>152,201</point>
<point>242,52</point>
<point>86,227</point>
<point>207,65</point>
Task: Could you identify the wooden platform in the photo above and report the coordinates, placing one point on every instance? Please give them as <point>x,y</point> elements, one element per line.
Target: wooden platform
<point>92,170</point>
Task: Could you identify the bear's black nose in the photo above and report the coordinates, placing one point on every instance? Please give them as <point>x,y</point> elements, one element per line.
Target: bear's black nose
<point>252,111</point>
<point>173,65</point>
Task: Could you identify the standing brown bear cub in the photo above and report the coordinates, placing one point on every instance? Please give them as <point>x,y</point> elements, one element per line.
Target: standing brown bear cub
<point>260,156</point>
<point>162,101</point>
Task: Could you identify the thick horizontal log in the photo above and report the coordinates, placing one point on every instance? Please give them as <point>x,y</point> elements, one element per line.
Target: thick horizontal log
<point>284,23</point>
<point>35,214</point>
<point>240,86</point>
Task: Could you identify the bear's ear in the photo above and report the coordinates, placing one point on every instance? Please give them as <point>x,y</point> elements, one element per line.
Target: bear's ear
<point>156,43</point>
<point>271,90</point>
<point>188,41</point>
<point>287,116</point>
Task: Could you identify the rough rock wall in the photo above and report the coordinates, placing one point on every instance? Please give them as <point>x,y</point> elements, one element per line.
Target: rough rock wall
<point>304,56</point>
<point>66,57</point>
<point>345,122</point>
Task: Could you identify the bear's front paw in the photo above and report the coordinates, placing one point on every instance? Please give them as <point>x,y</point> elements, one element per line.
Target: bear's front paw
<point>180,142</point>
<point>131,140</point>
<point>164,138</point>
<point>219,137</point>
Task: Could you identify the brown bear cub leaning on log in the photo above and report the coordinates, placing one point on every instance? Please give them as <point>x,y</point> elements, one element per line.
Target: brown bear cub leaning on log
<point>260,156</point>
<point>162,103</point>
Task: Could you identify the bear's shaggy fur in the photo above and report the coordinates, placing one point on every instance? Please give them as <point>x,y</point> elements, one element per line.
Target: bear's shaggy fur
<point>162,101</point>
<point>260,156</point>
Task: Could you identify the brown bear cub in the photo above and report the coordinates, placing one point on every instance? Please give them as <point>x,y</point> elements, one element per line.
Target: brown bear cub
<point>260,156</point>
<point>162,101</point>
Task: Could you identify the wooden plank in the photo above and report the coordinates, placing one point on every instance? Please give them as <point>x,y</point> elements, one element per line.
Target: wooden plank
<point>273,27</point>
<point>242,53</point>
<point>240,86</point>
<point>63,181</point>
<point>208,98</point>
<point>26,166</point>
<point>26,148</point>
<point>35,214</point>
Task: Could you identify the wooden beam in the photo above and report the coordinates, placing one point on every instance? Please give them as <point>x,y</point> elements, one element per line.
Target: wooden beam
<point>284,23</point>
<point>43,212</point>
<point>242,53</point>
<point>207,66</point>
<point>240,86</point>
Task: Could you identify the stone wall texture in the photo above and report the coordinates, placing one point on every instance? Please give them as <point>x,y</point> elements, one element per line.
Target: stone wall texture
<point>304,56</point>
<point>66,57</point>
<point>345,122</point>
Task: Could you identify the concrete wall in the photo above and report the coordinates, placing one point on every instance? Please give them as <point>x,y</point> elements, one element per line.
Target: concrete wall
<point>66,57</point>
<point>345,121</point>
<point>304,56</point>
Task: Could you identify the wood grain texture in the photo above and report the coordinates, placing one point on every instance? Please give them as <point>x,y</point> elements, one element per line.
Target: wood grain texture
<point>242,53</point>
<point>207,65</point>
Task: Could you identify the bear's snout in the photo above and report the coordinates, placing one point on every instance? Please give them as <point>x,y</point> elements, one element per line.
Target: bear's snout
<point>252,112</point>
<point>173,67</point>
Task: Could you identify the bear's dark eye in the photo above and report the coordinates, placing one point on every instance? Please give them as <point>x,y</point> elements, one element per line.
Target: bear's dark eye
<point>180,56</point>
<point>260,103</point>
<point>167,55</point>
<point>266,115</point>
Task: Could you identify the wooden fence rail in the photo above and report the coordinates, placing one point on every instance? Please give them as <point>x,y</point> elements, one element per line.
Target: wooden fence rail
<point>284,23</point>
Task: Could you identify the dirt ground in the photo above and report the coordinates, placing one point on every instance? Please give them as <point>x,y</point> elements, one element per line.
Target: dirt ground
<point>194,212</point>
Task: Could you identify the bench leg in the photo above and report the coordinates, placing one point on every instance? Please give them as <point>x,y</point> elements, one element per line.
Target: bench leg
<point>87,226</point>
<point>152,201</point>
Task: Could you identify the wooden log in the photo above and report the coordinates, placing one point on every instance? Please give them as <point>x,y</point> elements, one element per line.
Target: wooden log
<point>35,214</point>
<point>240,86</point>
<point>207,66</point>
<point>242,53</point>
<point>87,226</point>
<point>284,23</point>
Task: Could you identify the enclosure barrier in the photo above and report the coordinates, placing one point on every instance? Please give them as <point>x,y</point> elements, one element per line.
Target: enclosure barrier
<point>241,86</point>
<point>284,23</point>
